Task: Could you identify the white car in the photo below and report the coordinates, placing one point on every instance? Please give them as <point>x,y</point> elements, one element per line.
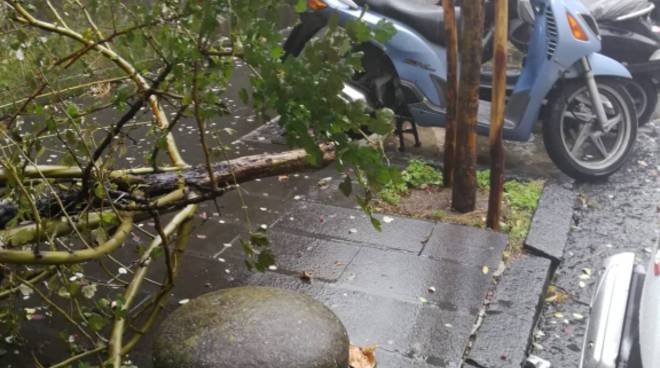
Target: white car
<point>624,323</point>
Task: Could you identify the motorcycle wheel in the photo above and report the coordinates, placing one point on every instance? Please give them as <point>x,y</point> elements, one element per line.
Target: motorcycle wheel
<point>572,137</point>
<point>645,97</point>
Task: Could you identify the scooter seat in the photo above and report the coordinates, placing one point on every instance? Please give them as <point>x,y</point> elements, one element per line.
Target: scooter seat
<point>424,16</point>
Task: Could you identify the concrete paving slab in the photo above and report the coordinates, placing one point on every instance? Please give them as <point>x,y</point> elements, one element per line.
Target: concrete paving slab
<point>441,337</point>
<point>394,274</point>
<point>200,276</point>
<point>262,210</point>
<point>284,188</point>
<point>270,132</point>
<point>407,333</point>
<point>506,331</point>
<point>329,192</point>
<point>321,259</point>
<point>466,245</point>
<point>354,226</point>
<point>548,232</point>
<point>387,359</point>
<point>210,236</point>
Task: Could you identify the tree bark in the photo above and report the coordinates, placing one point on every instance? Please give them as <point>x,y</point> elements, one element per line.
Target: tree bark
<point>497,116</point>
<point>230,172</point>
<point>465,182</point>
<point>452,91</point>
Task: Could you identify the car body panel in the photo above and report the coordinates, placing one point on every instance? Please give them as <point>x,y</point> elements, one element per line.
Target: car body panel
<point>608,309</point>
<point>650,314</point>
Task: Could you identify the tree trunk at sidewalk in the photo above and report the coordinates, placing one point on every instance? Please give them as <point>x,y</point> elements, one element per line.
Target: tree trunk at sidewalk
<point>465,181</point>
<point>452,91</point>
<point>497,116</point>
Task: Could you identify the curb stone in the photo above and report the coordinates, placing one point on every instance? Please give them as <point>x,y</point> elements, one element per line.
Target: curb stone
<point>505,334</point>
<point>506,331</point>
<point>551,223</point>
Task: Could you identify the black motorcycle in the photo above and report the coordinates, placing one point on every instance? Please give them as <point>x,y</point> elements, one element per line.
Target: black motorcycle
<point>629,34</point>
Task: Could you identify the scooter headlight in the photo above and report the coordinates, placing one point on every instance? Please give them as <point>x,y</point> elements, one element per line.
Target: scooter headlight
<point>320,4</point>
<point>316,4</point>
<point>578,32</point>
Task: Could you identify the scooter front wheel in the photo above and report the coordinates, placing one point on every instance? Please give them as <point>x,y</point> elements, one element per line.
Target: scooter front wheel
<point>574,139</point>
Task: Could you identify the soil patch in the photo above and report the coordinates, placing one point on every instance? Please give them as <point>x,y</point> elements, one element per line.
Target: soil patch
<point>434,203</point>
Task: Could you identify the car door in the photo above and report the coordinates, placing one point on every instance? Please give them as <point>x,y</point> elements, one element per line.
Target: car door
<point>649,320</point>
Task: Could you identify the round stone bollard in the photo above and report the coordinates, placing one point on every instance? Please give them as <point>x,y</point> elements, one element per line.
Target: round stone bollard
<point>252,327</point>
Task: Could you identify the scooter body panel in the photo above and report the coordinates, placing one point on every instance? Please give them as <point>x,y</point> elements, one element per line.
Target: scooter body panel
<point>623,44</point>
<point>553,54</point>
<point>603,66</point>
<point>414,58</point>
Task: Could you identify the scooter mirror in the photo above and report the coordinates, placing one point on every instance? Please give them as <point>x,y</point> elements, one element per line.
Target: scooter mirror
<point>526,11</point>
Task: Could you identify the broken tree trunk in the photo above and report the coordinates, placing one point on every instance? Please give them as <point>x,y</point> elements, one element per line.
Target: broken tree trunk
<point>464,192</point>
<point>497,116</point>
<point>196,178</point>
<point>452,90</point>
<point>230,172</point>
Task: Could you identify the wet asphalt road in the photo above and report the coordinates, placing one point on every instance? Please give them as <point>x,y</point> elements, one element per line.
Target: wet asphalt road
<point>620,215</point>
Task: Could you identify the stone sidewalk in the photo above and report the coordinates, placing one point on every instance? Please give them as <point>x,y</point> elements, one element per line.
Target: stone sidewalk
<point>414,289</point>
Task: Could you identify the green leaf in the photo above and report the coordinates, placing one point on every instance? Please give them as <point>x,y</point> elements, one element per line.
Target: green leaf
<point>376,223</point>
<point>301,6</point>
<point>51,125</point>
<point>247,247</point>
<point>259,239</point>
<point>99,190</point>
<point>359,31</point>
<point>346,186</point>
<point>244,96</point>
<point>276,52</point>
<point>108,218</point>
<point>72,110</point>
<point>264,260</point>
<point>384,31</point>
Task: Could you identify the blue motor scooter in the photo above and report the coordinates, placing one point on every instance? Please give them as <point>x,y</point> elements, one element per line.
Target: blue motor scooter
<point>589,120</point>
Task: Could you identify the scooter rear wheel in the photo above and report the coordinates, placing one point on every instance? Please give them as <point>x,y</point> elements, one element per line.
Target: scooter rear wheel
<point>572,135</point>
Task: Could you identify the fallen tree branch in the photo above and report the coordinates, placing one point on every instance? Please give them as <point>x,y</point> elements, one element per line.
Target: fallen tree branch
<point>230,172</point>
<point>65,257</point>
<point>24,16</point>
<point>116,337</point>
<point>170,179</point>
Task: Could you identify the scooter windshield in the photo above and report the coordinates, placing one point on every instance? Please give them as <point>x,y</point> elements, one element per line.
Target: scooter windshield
<point>613,9</point>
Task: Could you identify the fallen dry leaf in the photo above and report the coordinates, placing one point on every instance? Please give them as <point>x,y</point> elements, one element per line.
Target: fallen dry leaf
<point>362,357</point>
<point>556,295</point>
<point>306,277</point>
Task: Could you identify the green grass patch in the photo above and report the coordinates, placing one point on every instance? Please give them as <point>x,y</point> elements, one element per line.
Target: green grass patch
<point>417,175</point>
<point>521,198</point>
<point>483,179</point>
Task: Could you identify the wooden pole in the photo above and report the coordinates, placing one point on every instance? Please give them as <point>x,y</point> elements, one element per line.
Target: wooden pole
<point>497,115</point>
<point>464,194</point>
<point>452,90</point>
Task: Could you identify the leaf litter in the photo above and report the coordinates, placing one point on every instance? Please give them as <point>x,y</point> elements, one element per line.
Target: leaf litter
<point>362,357</point>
